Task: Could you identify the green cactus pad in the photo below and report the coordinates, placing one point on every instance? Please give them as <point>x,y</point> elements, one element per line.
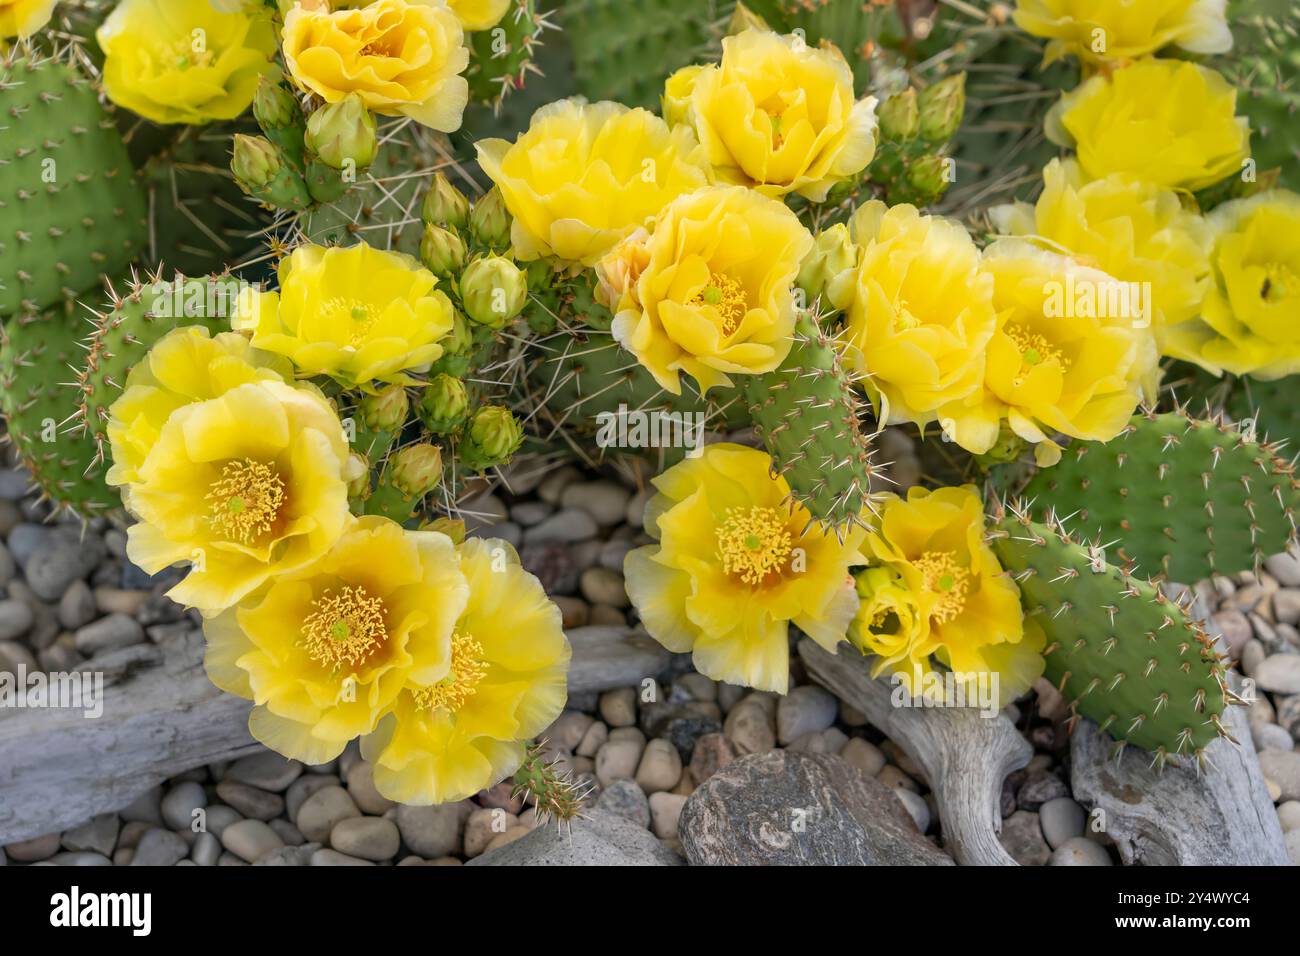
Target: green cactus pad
<point>809,417</point>
<point>38,355</point>
<point>141,313</point>
<point>1124,655</point>
<point>855,27</point>
<point>1176,497</point>
<point>71,207</point>
<point>502,57</point>
<point>1273,409</point>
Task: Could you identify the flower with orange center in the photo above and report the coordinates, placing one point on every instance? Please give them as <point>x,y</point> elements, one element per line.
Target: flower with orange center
<point>324,652</point>
<point>464,730</point>
<point>733,567</point>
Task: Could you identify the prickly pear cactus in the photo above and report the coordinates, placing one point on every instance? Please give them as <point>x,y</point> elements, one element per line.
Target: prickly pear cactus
<point>1272,408</point>
<point>71,208</point>
<point>1124,655</point>
<point>1178,497</point>
<point>855,28</point>
<point>809,417</point>
<point>1266,68</point>
<point>502,57</point>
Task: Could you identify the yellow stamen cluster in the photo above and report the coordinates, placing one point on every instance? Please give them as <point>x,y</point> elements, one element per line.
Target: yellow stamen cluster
<point>943,576</point>
<point>345,629</point>
<point>727,296</point>
<point>1034,349</point>
<point>754,543</point>
<point>360,314</point>
<point>246,500</point>
<point>467,669</point>
<point>1279,283</point>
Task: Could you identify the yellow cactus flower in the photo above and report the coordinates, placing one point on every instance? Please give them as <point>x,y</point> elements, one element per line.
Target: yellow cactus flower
<point>184,61</point>
<point>355,313</point>
<point>401,57</point>
<point>585,175</point>
<point>779,115</point>
<point>675,104</point>
<point>479,14</point>
<point>936,590</point>
<point>1247,324</point>
<point>463,731</point>
<point>921,316</point>
<point>324,652</point>
<point>1130,229</point>
<point>1169,122</point>
<point>186,365</point>
<point>21,18</point>
<point>243,486</point>
<point>713,293</point>
<point>1098,31</point>
<point>733,566</point>
<point>1074,351</point>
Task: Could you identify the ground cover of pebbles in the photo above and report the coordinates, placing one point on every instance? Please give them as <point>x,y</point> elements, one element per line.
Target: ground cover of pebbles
<point>69,599</point>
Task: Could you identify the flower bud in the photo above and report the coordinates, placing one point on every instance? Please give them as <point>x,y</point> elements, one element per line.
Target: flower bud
<point>343,133</point>
<point>829,269</point>
<point>359,485</point>
<point>416,469</point>
<point>492,438</point>
<point>900,117</point>
<point>942,106</point>
<point>442,251</point>
<point>445,205</point>
<point>453,528</point>
<point>255,161</point>
<point>928,179</point>
<point>274,106</point>
<point>444,405</point>
<point>489,220</point>
<point>386,410</point>
<point>461,337</point>
<point>493,291</point>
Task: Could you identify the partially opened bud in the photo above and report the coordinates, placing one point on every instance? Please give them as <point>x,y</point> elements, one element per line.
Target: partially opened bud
<point>255,161</point>
<point>359,486</point>
<point>493,290</point>
<point>445,205</point>
<point>492,438</point>
<point>386,410</point>
<point>900,117</point>
<point>942,106</point>
<point>829,269</point>
<point>489,220</point>
<point>274,106</point>
<point>444,405</point>
<point>416,469</point>
<point>442,251</point>
<point>343,133</point>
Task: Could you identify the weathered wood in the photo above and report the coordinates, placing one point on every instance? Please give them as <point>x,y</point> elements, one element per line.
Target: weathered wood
<point>58,768</point>
<point>965,757</point>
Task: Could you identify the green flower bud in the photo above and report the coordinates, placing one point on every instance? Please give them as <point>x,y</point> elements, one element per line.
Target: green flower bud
<point>461,337</point>
<point>445,205</point>
<point>829,270</point>
<point>492,438</point>
<point>900,117</point>
<point>928,179</point>
<point>444,406</point>
<point>493,291</point>
<point>489,220</point>
<point>255,161</point>
<point>343,134</point>
<point>942,106</point>
<point>416,469</point>
<point>274,106</point>
<point>442,251</point>
<point>386,410</point>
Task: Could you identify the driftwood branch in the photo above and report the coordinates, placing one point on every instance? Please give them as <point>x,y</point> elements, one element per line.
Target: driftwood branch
<point>965,756</point>
<point>58,768</point>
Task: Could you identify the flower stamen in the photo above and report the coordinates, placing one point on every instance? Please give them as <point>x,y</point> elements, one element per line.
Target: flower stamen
<point>1034,350</point>
<point>461,683</point>
<point>345,629</point>
<point>246,500</point>
<point>941,575</point>
<point>754,543</point>
<point>727,297</point>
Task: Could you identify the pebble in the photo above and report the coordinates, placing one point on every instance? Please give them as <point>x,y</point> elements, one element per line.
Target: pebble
<point>218,818</point>
<point>603,500</point>
<point>97,835</point>
<point>361,784</point>
<point>250,801</point>
<point>712,753</point>
<point>749,727</point>
<point>567,526</point>
<point>635,513</point>
<point>81,859</point>
<point>1061,819</point>
<point>1080,851</point>
<point>77,606</point>
<point>806,709</point>
<point>304,787</point>
<point>660,767</point>
<point>626,799</point>
<point>322,810</point>
<point>510,836</point>
<point>483,826</point>
<point>552,486</point>
<point>59,560</point>
<point>569,729</point>
<point>1286,606</point>
<point>1236,629</point>
<point>617,760</point>
<point>15,619</point>
<point>1285,567</point>
<point>13,655</point>
<point>435,831</point>
<point>37,848</point>
<point>1253,655</point>
<point>206,850</point>
<point>250,840</point>
<point>1271,737</point>
<point>287,832</point>
<point>1022,838</point>
<point>1039,787</point>
<point>109,634</point>
<point>370,838</point>
<point>120,600</point>
<point>699,687</point>
<point>266,771</point>
<point>665,811</point>
<point>7,565</point>
<point>618,707</point>
<point>159,847</point>
<point>328,857</point>
<point>144,808</point>
<point>179,804</point>
<point>864,755</point>
<point>1279,674</point>
<point>482,512</point>
<point>593,739</point>
<point>1282,769</point>
<point>603,586</point>
<point>574,612</point>
<point>529,513</point>
<point>916,808</point>
<point>896,779</point>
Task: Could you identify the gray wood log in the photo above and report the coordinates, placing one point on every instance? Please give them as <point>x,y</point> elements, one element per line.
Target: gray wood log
<point>58,768</point>
<point>965,756</point>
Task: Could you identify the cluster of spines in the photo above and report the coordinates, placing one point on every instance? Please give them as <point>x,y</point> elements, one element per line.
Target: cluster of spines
<point>554,792</point>
<point>1091,610</point>
<point>809,417</point>
<point>496,71</point>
